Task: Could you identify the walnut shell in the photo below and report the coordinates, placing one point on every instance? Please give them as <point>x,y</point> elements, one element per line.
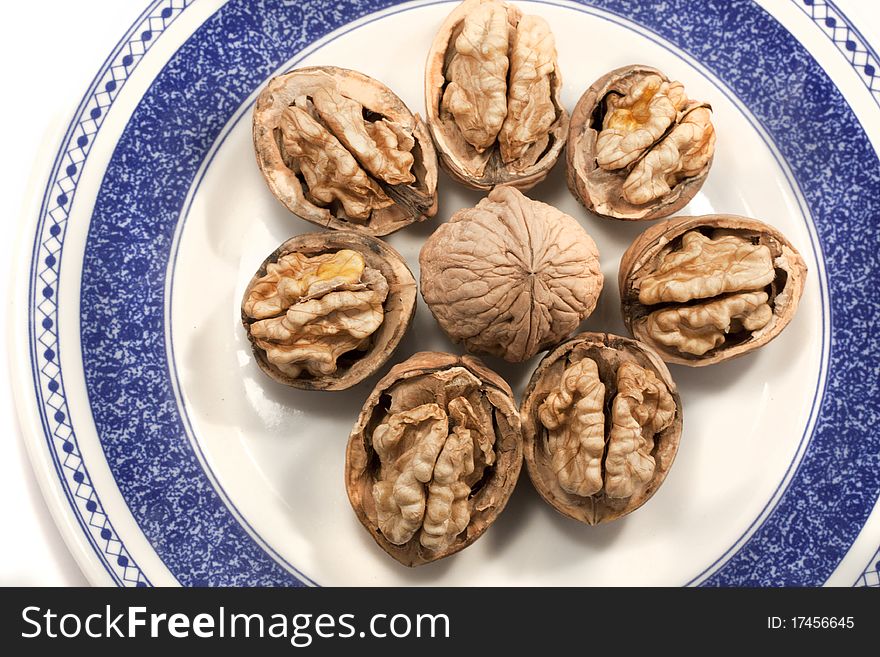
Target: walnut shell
<point>669,154</point>
<point>719,284</point>
<point>548,396</point>
<point>450,502</point>
<point>495,111</point>
<point>510,277</point>
<point>341,150</point>
<point>395,310</point>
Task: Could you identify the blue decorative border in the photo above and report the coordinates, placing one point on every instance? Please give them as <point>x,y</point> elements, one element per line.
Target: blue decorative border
<point>802,549</point>
<point>849,41</point>
<point>835,485</point>
<point>864,60</point>
<point>871,576</point>
<point>43,290</point>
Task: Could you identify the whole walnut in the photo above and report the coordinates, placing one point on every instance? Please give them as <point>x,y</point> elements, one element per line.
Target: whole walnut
<point>601,424</point>
<point>638,148</point>
<point>434,456</point>
<point>340,150</point>
<point>326,310</point>
<point>510,277</point>
<point>701,290</point>
<point>492,93</point>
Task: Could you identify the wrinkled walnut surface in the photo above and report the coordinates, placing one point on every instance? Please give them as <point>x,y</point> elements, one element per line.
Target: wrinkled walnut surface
<point>510,277</point>
<point>339,149</point>
<point>601,426</point>
<point>701,290</point>
<point>326,310</point>
<point>434,456</point>
<point>638,148</point>
<point>492,92</point>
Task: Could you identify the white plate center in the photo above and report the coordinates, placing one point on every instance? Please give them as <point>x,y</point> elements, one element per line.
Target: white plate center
<point>278,453</point>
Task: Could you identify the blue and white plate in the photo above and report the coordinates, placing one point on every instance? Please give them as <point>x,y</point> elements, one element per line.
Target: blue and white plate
<point>168,457</point>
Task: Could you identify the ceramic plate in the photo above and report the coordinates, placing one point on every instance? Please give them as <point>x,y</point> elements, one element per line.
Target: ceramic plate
<point>169,458</point>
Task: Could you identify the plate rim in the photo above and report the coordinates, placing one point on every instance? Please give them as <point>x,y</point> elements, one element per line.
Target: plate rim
<point>26,417</point>
<point>80,541</point>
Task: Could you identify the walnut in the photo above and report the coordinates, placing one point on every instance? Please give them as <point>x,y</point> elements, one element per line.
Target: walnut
<point>701,290</point>
<point>698,329</point>
<point>511,276</point>
<point>601,423</point>
<point>642,408</point>
<point>576,440</point>
<point>638,147</point>
<point>340,150</point>
<point>326,310</point>
<point>434,456</point>
<point>492,89</point>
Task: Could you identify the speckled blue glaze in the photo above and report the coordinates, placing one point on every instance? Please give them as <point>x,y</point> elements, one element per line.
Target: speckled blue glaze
<point>837,482</point>
<point>85,503</point>
<point>180,116</point>
<point>129,242</point>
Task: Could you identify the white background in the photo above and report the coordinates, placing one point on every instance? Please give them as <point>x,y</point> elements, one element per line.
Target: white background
<point>48,54</point>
